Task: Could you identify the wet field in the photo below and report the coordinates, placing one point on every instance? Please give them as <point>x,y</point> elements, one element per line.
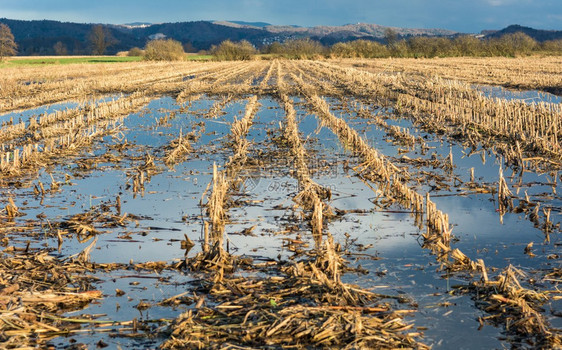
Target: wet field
<point>135,213</point>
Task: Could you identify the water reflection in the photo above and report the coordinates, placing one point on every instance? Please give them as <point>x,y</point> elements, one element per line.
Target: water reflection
<point>527,96</point>
<point>384,240</point>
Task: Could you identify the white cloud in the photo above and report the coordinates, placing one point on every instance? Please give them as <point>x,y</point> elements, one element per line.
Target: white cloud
<point>555,17</point>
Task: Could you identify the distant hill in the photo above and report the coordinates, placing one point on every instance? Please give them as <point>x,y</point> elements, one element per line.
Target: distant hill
<point>246,24</point>
<point>537,34</point>
<point>358,30</point>
<point>329,35</point>
<point>332,34</point>
<point>202,34</point>
<point>39,37</point>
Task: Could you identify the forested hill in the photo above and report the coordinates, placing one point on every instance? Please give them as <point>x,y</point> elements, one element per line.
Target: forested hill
<point>40,37</point>
<point>537,34</point>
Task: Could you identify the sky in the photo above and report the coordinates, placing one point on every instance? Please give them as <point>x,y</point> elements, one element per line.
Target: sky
<point>460,15</point>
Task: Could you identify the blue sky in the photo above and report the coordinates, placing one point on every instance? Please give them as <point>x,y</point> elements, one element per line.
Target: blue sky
<point>460,15</point>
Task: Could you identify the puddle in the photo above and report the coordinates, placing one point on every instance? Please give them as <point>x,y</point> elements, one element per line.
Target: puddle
<point>527,96</point>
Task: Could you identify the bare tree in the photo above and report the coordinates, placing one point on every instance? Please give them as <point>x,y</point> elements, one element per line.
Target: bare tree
<point>60,49</point>
<point>8,46</point>
<point>101,39</point>
<point>391,37</point>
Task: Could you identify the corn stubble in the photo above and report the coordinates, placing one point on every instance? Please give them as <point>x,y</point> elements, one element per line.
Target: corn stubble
<point>302,303</point>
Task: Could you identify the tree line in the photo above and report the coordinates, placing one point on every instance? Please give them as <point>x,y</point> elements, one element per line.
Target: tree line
<point>508,45</point>
<point>99,40</point>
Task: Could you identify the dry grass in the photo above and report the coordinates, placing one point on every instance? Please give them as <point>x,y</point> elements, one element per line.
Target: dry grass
<point>217,201</point>
<point>527,73</point>
<point>55,136</point>
<point>305,305</point>
<point>392,185</point>
<point>36,290</point>
<point>520,131</point>
<point>179,149</point>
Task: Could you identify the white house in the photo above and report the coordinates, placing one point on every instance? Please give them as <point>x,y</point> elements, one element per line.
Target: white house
<point>157,36</point>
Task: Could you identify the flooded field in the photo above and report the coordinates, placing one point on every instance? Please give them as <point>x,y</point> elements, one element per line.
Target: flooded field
<point>277,205</point>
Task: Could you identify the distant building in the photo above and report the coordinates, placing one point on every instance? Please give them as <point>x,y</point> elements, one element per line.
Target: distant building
<point>157,36</point>
<point>135,25</point>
